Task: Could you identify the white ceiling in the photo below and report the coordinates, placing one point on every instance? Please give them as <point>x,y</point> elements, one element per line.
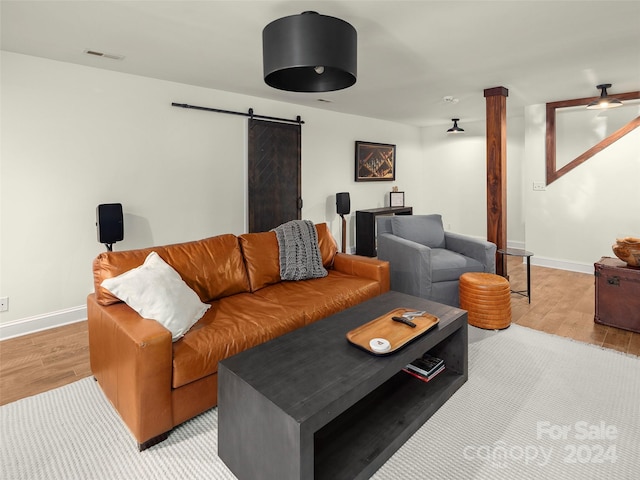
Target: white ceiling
<point>411,54</point>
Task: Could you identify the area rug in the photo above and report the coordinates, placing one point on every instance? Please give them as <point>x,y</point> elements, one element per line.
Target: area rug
<point>535,406</point>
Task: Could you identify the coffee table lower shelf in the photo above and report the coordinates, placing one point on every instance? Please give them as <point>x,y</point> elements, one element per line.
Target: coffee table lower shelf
<point>287,410</point>
<point>360,440</point>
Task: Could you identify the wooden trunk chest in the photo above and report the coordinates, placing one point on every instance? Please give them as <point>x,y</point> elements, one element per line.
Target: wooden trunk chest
<point>617,294</point>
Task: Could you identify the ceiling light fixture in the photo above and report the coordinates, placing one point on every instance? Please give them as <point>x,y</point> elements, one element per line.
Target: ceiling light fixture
<point>604,101</point>
<point>455,128</point>
<point>309,53</point>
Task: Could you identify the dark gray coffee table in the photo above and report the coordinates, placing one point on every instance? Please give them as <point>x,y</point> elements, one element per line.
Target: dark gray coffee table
<point>309,405</point>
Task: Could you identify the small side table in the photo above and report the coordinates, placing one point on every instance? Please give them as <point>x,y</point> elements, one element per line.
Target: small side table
<point>517,252</point>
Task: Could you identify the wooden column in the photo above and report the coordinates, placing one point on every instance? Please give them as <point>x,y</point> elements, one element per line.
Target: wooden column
<point>496,99</point>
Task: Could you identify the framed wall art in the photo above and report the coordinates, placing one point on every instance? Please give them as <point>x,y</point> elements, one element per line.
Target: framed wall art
<point>375,162</point>
<point>396,199</point>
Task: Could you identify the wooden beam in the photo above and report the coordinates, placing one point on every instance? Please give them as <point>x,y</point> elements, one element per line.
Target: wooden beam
<point>554,173</point>
<point>496,100</point>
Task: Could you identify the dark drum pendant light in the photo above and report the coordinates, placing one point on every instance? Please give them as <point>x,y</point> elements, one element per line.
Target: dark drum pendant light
<point>455,128</point>
<point>309,53</point>
<point>604,100</point>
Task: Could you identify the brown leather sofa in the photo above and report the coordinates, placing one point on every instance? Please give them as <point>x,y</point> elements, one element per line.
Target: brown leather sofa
<point>156,384</point>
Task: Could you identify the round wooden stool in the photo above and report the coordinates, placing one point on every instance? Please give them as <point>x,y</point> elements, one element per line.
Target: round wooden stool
<point>487,299</point>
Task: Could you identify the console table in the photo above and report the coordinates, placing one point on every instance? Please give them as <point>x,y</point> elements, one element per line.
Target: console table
<point>366,227</point>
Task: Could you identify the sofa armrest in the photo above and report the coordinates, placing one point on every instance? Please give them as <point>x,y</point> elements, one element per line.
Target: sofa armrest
<point>478,249</point>
<point>366,267</point>
<point>131,357</point>
<point>410,264</point>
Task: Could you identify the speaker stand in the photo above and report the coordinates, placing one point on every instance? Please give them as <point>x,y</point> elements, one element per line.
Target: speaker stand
<point>344,234</point>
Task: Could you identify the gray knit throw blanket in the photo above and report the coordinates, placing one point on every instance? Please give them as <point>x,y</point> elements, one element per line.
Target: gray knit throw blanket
<point>300,257</point>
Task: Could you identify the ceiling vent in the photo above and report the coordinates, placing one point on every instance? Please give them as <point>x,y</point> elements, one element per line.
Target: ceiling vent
<point>112,56</point>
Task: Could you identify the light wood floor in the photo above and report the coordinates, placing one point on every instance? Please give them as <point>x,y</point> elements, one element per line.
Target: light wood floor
<point>562,303</point>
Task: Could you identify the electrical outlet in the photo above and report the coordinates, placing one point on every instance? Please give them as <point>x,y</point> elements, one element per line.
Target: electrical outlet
<point>539,186</point>
<point>4,304</point>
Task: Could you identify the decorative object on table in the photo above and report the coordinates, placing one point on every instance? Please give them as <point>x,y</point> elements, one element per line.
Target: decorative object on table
<point>628,250</point>
<point>396,199</point>
<point>397,333</point>
<point>343,207</point>
<point>375,162</point>
<point>380,345</point>
<point>425,368</point>
<point>309,53</point>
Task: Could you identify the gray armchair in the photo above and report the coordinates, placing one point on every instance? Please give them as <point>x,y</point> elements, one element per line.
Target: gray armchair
<point>425,260</point>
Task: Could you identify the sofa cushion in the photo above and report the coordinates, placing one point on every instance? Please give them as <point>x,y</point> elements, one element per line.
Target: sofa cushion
<point>423,229</point>
<point>212,267</point>
<point>262,255</point>
<point>448,265</point>
<point>232,324</point>
<point>327,244</point>
<point>320,297</point>
<point>156,291</point>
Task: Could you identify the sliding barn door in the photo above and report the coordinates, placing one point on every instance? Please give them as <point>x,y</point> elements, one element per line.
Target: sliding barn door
<point>274,181</point>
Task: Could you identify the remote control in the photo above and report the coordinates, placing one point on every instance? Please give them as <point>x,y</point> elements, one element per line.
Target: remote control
<point>404,320</point>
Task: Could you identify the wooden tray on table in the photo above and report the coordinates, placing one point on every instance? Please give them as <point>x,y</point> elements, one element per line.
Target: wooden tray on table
<point>398,334</point>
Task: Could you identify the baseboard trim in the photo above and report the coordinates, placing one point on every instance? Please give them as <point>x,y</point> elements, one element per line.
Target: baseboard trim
<point>562,265</point>
<point>37,323</point>
<point>552,262</point>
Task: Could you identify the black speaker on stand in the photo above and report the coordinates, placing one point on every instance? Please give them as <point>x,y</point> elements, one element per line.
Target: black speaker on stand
<point>343,206</point>
<point>110,224</point>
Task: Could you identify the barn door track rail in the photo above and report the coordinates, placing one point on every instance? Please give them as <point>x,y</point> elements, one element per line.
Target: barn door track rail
<point>249,114</point>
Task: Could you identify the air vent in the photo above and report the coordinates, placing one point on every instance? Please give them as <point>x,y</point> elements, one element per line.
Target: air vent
<point>112,56</point>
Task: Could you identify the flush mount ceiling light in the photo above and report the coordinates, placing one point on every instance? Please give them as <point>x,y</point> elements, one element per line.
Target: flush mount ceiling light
<point>309,53</point>
<point>455,128</point>
<point>604,101</point>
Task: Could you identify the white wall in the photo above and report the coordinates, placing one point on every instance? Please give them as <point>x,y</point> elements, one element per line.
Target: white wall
<point>456,178</point>
<point>328,167</point>
<point>74,137</point>
<point>577,219</point>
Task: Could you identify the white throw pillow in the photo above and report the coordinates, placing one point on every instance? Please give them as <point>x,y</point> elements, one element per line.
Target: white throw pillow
<point>156,291</point>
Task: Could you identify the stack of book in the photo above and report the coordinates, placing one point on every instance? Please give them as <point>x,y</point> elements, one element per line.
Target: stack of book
<point>425,368</point>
